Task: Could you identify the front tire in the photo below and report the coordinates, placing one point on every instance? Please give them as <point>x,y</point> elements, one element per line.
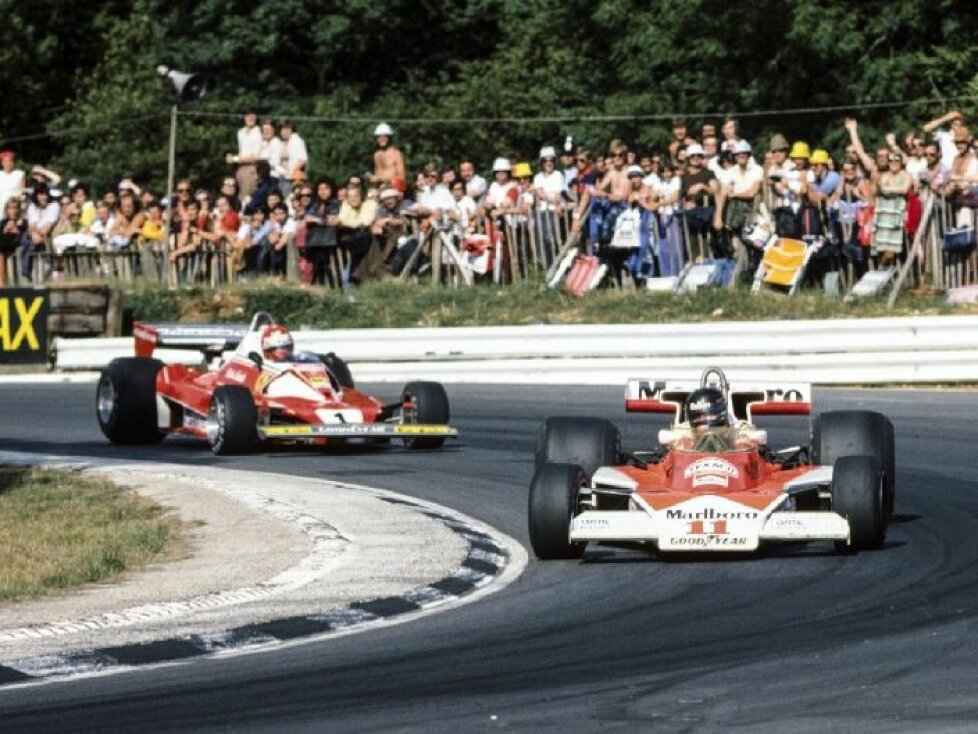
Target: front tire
<point>125,401</point>
<point>232,423</point>
<point>589,443</point>
<point>841,433</point>
<point>554,500</point>
<point>858,494</point>
<point>425,403</point>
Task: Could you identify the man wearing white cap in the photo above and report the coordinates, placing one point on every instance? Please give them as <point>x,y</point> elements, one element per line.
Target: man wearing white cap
<point>735,202</point>
<point>389,225</point>
<point>388,160</point>
<point>699,189</point>
<point>550,189</point>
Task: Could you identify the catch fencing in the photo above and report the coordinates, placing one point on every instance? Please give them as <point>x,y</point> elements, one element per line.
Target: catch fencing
<point>522,243</point>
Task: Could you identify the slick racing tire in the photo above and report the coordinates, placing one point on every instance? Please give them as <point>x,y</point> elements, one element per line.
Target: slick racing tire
<point>858,494</point>
<point>857,433</point>
<point>339,369</point>
<point>554,497</point>
<point>232,423</point>
<point>589,443</point>
<point>125,401</point>
<point>426,403</point>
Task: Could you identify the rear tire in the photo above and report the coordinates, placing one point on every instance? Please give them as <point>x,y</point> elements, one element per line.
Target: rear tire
<point>428,405</point>
<point>585,442</point>
<point>125,401</point>
<point>841,433</point>
<point>858,490</point>
<point>232,421</point>
<point>339,369</point>
<point>554,497</point>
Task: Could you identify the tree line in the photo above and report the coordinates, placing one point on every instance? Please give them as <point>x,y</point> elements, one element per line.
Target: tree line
<point>81,93</point>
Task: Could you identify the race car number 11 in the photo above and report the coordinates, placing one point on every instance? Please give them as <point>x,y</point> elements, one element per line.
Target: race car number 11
<point>707,527</point>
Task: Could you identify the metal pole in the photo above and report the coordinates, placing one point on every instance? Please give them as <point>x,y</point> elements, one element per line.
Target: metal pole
<point>171,172</point>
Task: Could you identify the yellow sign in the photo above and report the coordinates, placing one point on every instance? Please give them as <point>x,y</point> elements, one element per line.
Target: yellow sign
<point>23,325</point>
<point>410,429</point>
<point>287,430</point>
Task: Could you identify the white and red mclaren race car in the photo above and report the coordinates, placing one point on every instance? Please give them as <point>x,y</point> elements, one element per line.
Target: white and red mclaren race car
<point>262,392</point>
<point>712,483</point>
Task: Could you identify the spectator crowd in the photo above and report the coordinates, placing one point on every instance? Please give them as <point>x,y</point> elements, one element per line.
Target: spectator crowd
<point>708,194</point>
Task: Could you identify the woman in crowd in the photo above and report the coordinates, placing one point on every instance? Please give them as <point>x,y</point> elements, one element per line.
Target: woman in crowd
<point>320,215</point>
<point>42,217</point>
<point>963,177</point>
<point>13,231</point>
<point>229,188</point>
<point>672,247</point>
<point>892,188</point>
<point>844,206</point>
<point>189,239</point>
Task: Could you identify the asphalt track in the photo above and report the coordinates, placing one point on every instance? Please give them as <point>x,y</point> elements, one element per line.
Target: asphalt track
<point>794,639</point>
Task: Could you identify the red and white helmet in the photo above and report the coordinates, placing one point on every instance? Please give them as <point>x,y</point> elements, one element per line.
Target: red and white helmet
<point>276,343</point>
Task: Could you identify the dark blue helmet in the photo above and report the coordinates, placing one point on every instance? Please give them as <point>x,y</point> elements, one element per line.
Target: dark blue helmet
<point>706,408</point>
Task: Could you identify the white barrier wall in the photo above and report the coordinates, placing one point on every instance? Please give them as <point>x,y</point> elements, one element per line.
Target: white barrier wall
<point>864,351</point>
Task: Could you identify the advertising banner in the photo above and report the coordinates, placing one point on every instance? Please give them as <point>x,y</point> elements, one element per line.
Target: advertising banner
<point>23,325</point>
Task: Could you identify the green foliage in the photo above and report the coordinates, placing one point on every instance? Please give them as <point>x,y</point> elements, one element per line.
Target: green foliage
<point>86,74</point>
<point>154,304</point>
<point>396,304</point>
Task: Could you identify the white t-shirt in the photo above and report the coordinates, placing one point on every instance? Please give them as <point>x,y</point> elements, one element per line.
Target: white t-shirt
<point>652,181</point>
<point>476,187</point>
<point>249,142</point>
<point>949,151</point>
<point>11,184</point>
<point>437,197</point>
<point>741,180</point>
<point>669,190</point>
<point>271,151</point>
<point>38,217</point>
<point>501,194</point>
<point>553,185</point>
<point>915,166</point>
<point>294,154</point>
<point>466,209</point>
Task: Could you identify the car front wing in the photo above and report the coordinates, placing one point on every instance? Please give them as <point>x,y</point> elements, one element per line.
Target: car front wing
<point>707,524</point>
<point>354,430</point>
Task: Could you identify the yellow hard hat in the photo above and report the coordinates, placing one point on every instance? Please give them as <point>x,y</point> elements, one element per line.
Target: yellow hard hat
<point>819,156</point>
<point>522,170</point>
<point>799,150</point>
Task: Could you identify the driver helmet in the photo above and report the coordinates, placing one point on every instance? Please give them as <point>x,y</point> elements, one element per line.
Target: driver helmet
<point>276,344</point>
<point>706,408</point>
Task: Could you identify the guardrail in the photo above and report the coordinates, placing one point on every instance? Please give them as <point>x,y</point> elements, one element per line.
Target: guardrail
<point>864,351</point>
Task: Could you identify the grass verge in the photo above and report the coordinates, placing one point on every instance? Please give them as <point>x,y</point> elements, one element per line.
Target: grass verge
<point>395,304</point>
<point>60,529</point>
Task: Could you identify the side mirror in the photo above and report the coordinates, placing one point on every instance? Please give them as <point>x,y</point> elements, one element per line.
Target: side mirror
<point>256,358</point>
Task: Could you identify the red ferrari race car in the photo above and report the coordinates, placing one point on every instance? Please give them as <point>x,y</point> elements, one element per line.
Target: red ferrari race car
<point>712,483</point>
<point>263,392</point>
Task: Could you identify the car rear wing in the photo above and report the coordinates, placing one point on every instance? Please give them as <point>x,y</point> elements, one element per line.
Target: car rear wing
<point>746,400</point>
<point>206,338</point>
